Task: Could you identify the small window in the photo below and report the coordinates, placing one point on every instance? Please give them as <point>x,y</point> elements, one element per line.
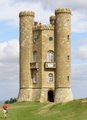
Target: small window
<point>68,57</point>
<point>68,78</point>
<point>50,77</point>
<point>68,37</point>
<point>50,38</point>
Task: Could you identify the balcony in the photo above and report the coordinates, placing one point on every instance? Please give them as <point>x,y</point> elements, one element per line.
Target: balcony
<point>34,65</point>
<point>50,65</point>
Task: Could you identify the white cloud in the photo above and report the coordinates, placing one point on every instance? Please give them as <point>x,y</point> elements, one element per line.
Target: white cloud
<point>79,80</point>
<point>81,53</point>
<point>11,11</point>
<point>43,10</point>
<point>9,68</point>
<point>58,3</point>
<point>79,72</point>
<point>79,22</point>
<point>9,51</point>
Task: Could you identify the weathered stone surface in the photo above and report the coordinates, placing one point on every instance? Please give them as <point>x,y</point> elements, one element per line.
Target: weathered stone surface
<point>63,55</point>
<point>24,95</point>
<point>36,41</point>
<point>63,95</point>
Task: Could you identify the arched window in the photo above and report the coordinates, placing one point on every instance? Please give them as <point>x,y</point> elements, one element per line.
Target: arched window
<point>50,56</point>
<point>50,77</point>
<point>35,56</point>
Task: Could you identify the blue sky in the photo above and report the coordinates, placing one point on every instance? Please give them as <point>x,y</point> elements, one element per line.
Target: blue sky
<point>7,32</point>
<point>9,41</point>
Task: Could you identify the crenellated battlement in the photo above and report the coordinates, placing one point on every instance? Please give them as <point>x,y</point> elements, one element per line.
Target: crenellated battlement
<point>40,26</point>
<point>62,10</point>
<point>26,13</point>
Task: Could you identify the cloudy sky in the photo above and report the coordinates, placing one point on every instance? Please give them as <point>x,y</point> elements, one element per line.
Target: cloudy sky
<point>9,41</point>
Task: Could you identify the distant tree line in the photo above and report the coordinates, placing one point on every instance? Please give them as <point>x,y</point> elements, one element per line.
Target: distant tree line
<point>11,100</point>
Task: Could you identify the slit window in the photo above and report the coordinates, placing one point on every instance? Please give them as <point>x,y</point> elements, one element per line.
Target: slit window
<point>68,37</point>
<point>68,57</point>
<point>68,78</point>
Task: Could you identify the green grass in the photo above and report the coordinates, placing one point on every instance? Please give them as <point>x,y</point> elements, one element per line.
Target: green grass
<point>74,110</point>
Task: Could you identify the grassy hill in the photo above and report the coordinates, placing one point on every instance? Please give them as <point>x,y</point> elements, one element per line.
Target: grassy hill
<point>74,110</point>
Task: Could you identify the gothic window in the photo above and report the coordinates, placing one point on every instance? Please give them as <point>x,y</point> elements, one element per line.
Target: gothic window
<point>50,56</point>
<point>35,56</point>
<point>50,77</point>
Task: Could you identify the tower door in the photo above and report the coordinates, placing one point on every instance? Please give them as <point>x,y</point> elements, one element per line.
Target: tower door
<point>50,96</point>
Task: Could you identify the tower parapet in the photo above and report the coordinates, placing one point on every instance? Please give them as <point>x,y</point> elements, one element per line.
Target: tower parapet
<point>43,27</point>
<point>26,13</point>
<point>62,10</point>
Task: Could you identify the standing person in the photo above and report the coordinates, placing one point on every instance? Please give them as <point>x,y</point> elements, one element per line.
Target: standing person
<point>5,109</point>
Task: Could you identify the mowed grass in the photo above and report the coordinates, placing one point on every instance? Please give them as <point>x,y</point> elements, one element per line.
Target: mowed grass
<point>74,110</point>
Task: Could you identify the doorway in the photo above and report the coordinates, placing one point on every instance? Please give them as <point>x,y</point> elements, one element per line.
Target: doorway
<point>50,96</point>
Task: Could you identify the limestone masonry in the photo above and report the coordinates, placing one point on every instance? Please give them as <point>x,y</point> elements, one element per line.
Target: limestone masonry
<point>45,58</point>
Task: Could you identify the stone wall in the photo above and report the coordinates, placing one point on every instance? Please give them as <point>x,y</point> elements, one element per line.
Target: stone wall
<point>37,38</point>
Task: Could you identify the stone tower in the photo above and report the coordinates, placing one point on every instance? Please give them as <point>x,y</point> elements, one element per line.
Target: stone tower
<point>45,58</point>
<point>26,24</point>
<point>63,90</point>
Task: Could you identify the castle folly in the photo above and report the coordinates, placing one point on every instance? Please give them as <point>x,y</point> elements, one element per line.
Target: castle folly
<point>45,58</point>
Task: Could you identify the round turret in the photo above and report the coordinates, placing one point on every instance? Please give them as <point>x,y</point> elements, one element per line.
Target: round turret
<point>26,53</point>
<point>63,55</point>
<point>52,20</point>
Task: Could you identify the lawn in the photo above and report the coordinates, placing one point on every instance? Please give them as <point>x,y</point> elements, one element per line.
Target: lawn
<point>74,110</point>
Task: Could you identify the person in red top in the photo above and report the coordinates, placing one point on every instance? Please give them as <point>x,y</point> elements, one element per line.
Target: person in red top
<point>5,109</point>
